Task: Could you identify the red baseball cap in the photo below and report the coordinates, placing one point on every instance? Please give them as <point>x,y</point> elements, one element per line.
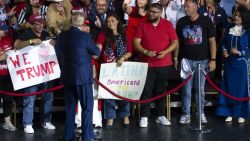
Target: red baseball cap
<point>86,22</point>
<point>36,19</point>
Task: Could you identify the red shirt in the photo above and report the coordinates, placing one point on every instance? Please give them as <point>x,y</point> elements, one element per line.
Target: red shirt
<point>133,21</point>
<point>5,45</point>
<point>156,38</point>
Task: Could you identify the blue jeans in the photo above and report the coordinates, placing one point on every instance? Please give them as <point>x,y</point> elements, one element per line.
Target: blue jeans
<point>187,89</point>
<point>109,108</point>
<point>28,104</point>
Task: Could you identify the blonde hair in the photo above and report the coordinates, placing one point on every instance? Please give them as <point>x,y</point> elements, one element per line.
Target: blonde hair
<point>77,19</point>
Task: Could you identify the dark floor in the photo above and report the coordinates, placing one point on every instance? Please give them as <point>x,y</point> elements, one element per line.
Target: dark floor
<point>220,131</point>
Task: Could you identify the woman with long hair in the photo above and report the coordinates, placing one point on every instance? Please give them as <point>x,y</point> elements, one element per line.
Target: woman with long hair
<point>137,14</point>
<point>236,79</point>
<point>114,49</point>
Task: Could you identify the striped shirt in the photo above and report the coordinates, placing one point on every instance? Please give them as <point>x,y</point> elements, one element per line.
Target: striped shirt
<point>22,19</point>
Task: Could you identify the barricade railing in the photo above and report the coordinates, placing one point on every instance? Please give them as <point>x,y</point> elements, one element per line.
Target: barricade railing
<point>223,92</point>
<point>131,100</point>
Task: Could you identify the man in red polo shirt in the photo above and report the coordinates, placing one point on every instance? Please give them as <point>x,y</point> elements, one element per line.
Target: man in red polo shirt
<point>155,39</point>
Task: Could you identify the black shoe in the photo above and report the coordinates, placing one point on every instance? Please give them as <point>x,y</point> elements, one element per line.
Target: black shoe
<point>96,139</point>
<point>74,139</point>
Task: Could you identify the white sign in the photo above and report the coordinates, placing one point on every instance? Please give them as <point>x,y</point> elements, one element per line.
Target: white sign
<point>33,65</point>
<point>127,81</point>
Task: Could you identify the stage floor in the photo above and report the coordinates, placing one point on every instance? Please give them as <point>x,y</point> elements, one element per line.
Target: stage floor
<point>220,131</point>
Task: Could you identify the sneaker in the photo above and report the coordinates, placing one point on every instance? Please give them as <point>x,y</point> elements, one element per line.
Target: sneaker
<point>163,120</point>
<point>143,122</point>
<point>185,119</point>
<point>228,119</point>
<point>9,126</point>
<point>241,120</point>
<point>203,118</point>
<point>49,125</point>
<point>99,125</point>
<point>29,129</point>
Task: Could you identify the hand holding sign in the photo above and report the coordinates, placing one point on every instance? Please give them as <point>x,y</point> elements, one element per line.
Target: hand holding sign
<point>127,80</point>
<point>36,41</point>
<point>33,65</point>
<point>3,56</point>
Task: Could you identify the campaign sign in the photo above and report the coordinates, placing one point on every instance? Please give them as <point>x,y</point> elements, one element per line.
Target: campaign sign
<point>127,80</point>
<point>33,65</point>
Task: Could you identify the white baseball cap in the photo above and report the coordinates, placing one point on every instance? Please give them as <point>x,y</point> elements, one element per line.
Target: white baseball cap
<point>185,68</point>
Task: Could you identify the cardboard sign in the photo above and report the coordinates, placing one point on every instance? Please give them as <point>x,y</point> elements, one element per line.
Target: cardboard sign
<point>33,65</point>
<point>127,81</point>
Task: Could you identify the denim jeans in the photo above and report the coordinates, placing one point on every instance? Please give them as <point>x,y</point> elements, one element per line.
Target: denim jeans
<point>187,89</point>
<point>28,104</point>
<point>109,108</point>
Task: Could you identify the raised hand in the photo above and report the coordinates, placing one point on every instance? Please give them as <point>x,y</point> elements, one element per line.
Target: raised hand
<point>98,22</point>
<point>12,11</point>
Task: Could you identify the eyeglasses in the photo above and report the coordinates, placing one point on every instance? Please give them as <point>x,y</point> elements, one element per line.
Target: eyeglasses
<point>101,5</point>
<point>154,12</point>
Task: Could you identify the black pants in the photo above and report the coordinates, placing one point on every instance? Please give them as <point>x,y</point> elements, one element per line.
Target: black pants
<point>156,84</point>
<point>6,85</point>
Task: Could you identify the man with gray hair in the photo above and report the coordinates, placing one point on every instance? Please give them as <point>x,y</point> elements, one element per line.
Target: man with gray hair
<point>196,35</point>
<point>76,49</point>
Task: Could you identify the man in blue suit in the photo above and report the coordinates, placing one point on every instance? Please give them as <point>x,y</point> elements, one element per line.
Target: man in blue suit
<point>76,49</point>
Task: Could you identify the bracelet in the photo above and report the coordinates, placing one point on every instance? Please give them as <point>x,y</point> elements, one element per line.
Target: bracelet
<point>125,58</point>
<point>212,59</point>
<point>145,52</point>
<point>30,41</point>
<point>175,58</point>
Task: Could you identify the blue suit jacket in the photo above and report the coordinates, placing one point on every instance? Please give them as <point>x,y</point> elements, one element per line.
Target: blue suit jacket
<point>76,49</point>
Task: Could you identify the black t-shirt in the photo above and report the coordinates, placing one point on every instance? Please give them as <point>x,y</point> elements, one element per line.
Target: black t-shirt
<point>29,34</point>
<point>193,36</point>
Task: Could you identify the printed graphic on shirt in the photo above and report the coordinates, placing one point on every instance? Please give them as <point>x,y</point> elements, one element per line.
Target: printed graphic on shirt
<point>192,34</point>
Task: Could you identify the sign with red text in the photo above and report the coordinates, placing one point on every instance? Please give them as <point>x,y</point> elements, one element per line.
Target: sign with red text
<point>127,80</point>
<point>33,65</point>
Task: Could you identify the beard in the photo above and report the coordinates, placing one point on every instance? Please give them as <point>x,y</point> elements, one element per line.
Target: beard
<point>101,11</point>
<point>152,20</point>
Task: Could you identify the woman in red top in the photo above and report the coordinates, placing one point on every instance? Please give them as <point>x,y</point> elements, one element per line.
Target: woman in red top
<point>114,49</point>
<point>137,15</point>
<point>5,81</point>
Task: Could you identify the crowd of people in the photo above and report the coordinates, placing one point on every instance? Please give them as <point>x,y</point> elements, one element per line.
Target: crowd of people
<point>166,34</point>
